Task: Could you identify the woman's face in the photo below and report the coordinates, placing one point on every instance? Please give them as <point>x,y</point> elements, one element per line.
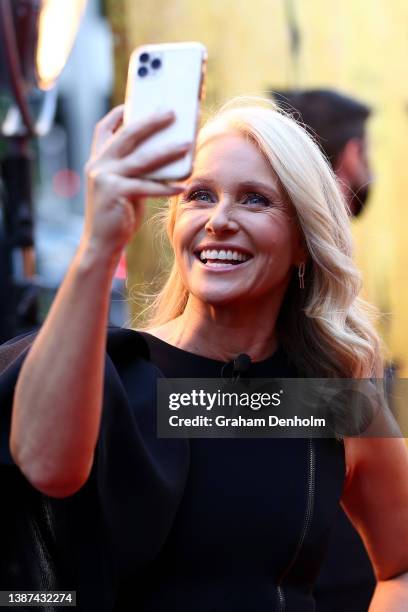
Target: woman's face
<point>235,238</point>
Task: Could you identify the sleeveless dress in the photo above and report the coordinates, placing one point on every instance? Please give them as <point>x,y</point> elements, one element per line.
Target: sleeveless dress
<point>203,525</point>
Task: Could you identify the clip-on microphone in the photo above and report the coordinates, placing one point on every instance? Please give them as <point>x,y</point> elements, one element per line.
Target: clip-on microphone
<point>240,365</point>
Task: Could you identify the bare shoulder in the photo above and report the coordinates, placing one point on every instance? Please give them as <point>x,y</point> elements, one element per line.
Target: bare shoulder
<point>383,455</point>
<point>375,498</point>
<point>379,446</point>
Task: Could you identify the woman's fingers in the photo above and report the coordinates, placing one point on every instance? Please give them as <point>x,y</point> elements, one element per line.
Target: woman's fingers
<point>116,188</point>
<point>115,206</point>
<point>129,136</point>
<point>134,188</point>
<point>106,127</point>
<point>136,164</point>
<point>110,186</point>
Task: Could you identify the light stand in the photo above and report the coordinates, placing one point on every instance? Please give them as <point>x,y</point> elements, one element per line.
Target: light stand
<point>32,64</point>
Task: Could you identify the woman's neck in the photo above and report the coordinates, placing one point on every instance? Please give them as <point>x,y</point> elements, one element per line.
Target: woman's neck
<point>223,332</point>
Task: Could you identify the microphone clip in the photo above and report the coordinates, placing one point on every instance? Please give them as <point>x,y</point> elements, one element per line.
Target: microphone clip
<point>240,365</point>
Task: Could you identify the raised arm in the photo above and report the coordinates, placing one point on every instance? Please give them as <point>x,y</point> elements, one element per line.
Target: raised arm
<point>58,397</point>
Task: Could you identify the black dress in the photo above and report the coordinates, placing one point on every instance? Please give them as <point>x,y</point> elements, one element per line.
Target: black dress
<point>214,525</point>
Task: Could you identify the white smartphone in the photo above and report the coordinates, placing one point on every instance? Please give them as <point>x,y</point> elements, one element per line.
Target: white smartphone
<point>167,77</point>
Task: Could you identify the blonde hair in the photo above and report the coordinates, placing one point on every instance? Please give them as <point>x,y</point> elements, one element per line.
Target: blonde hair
<point>326,328</point>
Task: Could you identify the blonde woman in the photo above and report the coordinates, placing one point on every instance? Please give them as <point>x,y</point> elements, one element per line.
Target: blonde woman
<point>262,266</point>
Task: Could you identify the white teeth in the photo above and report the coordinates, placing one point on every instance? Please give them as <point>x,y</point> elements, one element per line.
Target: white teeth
<point>215,264</point>
<point>222,255</point>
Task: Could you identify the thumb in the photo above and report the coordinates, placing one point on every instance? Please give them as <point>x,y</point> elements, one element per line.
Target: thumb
<point>106,127</point>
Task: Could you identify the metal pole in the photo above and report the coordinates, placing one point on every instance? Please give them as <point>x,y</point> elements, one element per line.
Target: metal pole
<point>17,243</point>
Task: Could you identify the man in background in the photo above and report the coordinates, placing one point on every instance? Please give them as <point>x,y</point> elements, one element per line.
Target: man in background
<point>338,123</point>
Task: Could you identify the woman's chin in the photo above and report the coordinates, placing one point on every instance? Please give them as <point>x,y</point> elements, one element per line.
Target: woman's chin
<point>219,297</point>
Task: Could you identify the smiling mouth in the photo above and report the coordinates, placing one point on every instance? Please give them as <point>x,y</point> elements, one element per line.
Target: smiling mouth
<point>222,258</point>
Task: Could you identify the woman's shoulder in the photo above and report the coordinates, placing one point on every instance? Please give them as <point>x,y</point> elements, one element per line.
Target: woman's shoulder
<point>125,342</point>
<point>122,344</point>
<point>164,332</point>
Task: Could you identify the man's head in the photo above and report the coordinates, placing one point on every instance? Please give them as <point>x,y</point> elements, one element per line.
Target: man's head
<point>338,123</point>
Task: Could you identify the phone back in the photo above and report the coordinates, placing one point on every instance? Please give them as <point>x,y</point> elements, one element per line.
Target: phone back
<point>162,78</point>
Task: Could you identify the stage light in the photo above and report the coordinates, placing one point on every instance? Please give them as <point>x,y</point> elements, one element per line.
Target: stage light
<point>57,27</point>
<point>36,37</point>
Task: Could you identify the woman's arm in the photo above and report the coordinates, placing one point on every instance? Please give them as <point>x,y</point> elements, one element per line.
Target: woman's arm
<point>58,397</point>
<point>391,595</point>
<point>376,500</point>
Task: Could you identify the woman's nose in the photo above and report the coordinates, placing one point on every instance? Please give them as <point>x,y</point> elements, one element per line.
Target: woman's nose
<point>221,219</point>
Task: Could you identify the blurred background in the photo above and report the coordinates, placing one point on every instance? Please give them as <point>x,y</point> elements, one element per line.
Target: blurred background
<point>359,48</point>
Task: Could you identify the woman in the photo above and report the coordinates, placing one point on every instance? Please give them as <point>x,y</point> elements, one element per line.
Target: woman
<point>263,267</point>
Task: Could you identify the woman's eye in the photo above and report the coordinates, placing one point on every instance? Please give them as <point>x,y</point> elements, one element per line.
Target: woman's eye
<point>256,199</point>
<point>200,196</point>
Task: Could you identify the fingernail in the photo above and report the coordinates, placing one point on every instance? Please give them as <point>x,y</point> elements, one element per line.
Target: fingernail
<point>167,115</point>
<point>185,145</point>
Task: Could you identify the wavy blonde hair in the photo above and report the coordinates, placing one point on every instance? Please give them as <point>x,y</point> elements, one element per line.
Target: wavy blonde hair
<point>326,329</point>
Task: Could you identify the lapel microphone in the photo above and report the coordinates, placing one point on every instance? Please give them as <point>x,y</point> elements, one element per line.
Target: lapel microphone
<point>239,365</point>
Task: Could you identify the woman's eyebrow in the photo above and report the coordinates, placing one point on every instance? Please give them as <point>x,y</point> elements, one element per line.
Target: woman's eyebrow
<point>273,190</point>
<point>200,180</point>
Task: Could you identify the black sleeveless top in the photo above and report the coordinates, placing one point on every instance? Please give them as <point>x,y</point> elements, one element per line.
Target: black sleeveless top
<point>210,525</point>
<point>253,521</point>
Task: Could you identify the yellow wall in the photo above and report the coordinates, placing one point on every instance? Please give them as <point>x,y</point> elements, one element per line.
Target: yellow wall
<point>359,46</point>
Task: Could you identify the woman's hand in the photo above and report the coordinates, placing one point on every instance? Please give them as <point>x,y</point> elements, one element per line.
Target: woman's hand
<point>115,185</point>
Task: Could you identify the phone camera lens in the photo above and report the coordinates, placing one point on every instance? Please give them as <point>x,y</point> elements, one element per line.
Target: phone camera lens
<point>144,58</point>
<point>156,63</point>
<point>142,72</point>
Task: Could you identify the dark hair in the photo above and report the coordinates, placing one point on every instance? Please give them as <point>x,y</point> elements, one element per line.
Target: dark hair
<point>332,118</point>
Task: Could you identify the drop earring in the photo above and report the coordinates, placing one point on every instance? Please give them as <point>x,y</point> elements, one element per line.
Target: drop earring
<point>301,275</point>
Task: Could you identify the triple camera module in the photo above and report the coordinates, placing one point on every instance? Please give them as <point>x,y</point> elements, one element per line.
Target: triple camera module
<point>148,64</point>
